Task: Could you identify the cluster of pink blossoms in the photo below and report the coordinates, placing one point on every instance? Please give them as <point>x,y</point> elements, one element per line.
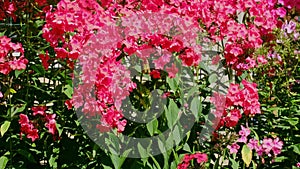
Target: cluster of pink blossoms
<point>228,109</point>
<point>14,9</point>
<point>220,20</point>
<point>8,59</point>
<point>30,127</point>
<point>268,146</point>
<point>7,9</point>
<point>290,4</point>
<point>113,82</point>
<point>71,25</point>
<point>200,158</point>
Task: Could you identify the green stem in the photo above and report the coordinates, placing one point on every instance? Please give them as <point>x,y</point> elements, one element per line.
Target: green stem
<point>10,119</point>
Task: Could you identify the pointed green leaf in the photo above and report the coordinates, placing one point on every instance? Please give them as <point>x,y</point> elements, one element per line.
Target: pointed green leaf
<point>152,126</point>
<point>142,151</point>
<point>172,113</point>
<point>4,127</point>
<point>68,90</point>
<point>11,90</point>
<point>3,162</point>
<point>27,155</point>
<point>247,155</point>
<point>212,78</point>
<point>196,107</point>
<point>18,72</point>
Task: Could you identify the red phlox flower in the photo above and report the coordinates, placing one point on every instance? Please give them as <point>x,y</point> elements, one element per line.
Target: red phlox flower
<point>155,74</point>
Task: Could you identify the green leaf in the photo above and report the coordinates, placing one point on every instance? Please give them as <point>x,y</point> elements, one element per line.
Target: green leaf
<point>68,90</point>
<point>254,165</point>
<point>173,84</point>
<point>18,72</point>
<point>234,164</point>
<point>11,90</point>
<point>18,110</point>
<point>280,159</point>
<point>118,160</point>
<point>52,161</point>
<point>296,148</point>
<point>196,107</point>
<point>106,167</point>
<point>3,162</point>
<point>204,67</point>
<point>187,148</point>
<point>39,69</point>
<point>155,162</point>
<point>152,126</point>
<point>176,135</point>
<point>27,155</point>
<point>142,151</point>
<point>172,113</point>
<point>4,127</point>
<point>212,78</point>
<point>192,91</point>
<point>293,121</point>
<point>2,33</point>
<point>246,155</point>
<point>59,129</point>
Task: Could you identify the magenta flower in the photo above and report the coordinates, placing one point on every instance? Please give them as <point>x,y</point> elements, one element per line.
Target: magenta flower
<point>267,145</point>
<point>253,144</point>
<point>244,132</point>
<point>277,146</point>
<point>289,27</point>
<point>28,128</point>
<point>39,110</point>
<point>233,148</point>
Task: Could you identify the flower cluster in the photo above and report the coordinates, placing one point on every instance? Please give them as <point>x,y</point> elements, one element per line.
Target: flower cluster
<point>45,60</point>
<point>200,158</point>
<point>29,127</point>
<point>70,26</point>
<point>7,9</point>
<point>8,56</point>
<point>221,19</point>
<point>290,4</point>
<point>289,29</point>
<point>48,119</point>
<point>228,109</point>
<point>268,146</point>
<point>113,85</point>
<point>112,80</point>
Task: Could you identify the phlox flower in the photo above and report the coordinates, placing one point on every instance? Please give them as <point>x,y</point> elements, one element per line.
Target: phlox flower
<point>253,144</point>
<point>162,61</point>
<point>172,71</point>
<point>28,128</point>
<point>233,148</point>
<point>200,158</point>
<point>244,132</point>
